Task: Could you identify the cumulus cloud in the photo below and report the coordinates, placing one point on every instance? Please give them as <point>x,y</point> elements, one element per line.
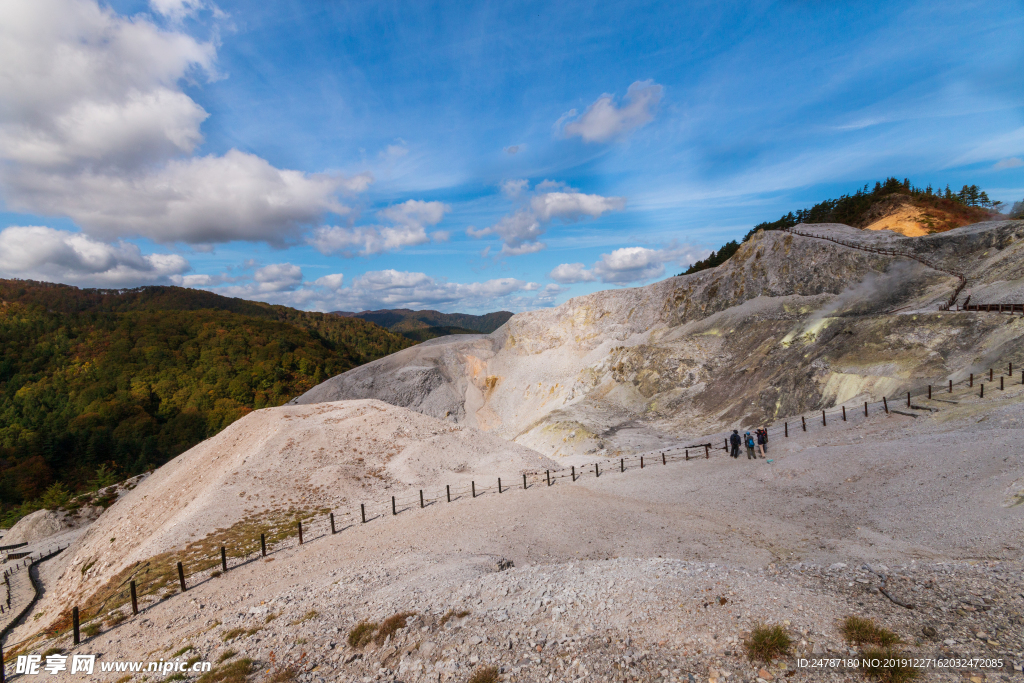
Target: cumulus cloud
<point>604,120</point>
<point>409,228</point>
<point>627,265</point>
<point>521,230</point>
<point>282,284</point>
<point>42,253</point>
<point>94,125</point>
<point>571,273</point>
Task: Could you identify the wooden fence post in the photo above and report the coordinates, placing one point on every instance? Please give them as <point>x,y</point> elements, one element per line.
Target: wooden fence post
<point>75,625</point>
<point>524,482</point>
<point>803,421</point>
<point>982,390</point>
<point>951,386</point>
<point>547,473</point>
<point>333,531</point>
<point>785,426</point>
<point>707,453</point>
<point>929,392</point>
<point>223,559</point>
<point>362,510</point>
<point>1000,382</point>
<point>990,375</point>
<point>597,470</point>
<point>499,485</point>
<point>181,577</point>
<point>135,601</point>
<point>448,491</point>
<point>574,472</point>
<point>641,462</point>
<point>263,545</point>
<point>886,405</point>
<point>473,485</point>
<point>970,382</point>
<point>622,464</point>
<point>421,498</point>
<point>663,459</point>
<point>300,529</point>
<point>823,422</point>
<point>844,413</point>
<point>394,509</point>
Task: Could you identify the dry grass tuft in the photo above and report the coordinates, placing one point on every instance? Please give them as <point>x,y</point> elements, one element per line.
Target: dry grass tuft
<point>391,625</point>
<point>226,656</point>
<point>362,634</point>
<point>182,651</point>
<point>486,674</point>
<point>235,672</point>
<point>452,614</point>
<point>311,614</point>
<point>858,631</point>
<point>285,674</point>
<point>898,671</point>
<point>115,618</point>
<point>767,642</point>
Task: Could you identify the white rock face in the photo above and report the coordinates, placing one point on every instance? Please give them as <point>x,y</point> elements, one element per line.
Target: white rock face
<point>37,526</point>
<point>789,324</point>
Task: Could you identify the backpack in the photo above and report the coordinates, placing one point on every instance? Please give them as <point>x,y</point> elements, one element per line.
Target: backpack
<point>750,441</point>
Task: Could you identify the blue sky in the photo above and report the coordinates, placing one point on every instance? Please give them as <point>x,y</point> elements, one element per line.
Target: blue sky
<point>471,156</point>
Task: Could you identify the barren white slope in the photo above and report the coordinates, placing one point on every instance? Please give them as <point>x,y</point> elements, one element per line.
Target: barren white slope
<point>330,455</point>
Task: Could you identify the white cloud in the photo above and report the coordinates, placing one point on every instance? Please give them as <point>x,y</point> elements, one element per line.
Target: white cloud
<point>1012,162</point>
<point>176,10</point>
<point>514,188</point>
<point>411,219</point>
<point>43,253</point>
<point>332,281</point>
<point>603,120</point>
<point>630,264</point>
<point>281,284</point>
<point>521,230</point>
<point>572,206</point>
<point>94,125</point>
<point>278,277</point>
<point>627,265</point>
<point>570,273</point>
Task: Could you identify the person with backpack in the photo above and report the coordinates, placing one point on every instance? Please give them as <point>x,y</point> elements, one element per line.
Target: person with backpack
<point>762,441</point>
<point>749,441</point>
<point>734,441</point>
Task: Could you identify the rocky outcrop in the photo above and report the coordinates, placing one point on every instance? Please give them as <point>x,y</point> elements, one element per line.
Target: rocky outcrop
<point>788,324</point>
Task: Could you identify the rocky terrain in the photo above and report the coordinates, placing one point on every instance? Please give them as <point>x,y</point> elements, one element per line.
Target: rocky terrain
<point>911,517</point>
<point>787,325</point>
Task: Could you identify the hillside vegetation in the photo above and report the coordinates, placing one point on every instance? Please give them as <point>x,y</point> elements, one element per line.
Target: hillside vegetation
<point>424,325</point>
<point>122,381</point>
<point>938,210</point>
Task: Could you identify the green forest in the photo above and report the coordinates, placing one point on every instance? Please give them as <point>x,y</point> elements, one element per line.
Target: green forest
<point>971,202</point>
<point>99,385</point>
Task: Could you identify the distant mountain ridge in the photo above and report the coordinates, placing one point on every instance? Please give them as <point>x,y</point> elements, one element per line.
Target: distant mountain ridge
<point>423,325</point>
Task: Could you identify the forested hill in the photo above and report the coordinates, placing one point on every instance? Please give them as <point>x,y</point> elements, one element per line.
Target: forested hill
<point>126,380</point>
<point>423,325</point>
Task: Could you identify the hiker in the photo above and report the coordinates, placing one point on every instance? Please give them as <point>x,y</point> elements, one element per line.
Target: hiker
<point>749,441</point>
<point>734,441</point>
<point>762,441</point>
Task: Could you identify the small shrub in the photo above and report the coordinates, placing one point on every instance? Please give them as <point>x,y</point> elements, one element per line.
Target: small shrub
<point>767,642</point>
<point>53,651</point>
<point>899,672</point>
<point>362,634</point>
<point>226,656</point>
<point>115,618</point>
<point>452,614</point>
<point>91,630</point>
<point>311,614</point>
<point>486,674</point>
<point>391,625</point>
<point>859,631</point>
<point>182,651</point>
<point>235,672</point>
<point>285,674</point>
<point>232,633</point>
<point>215,573</point>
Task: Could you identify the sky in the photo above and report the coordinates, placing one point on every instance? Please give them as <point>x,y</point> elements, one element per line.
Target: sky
<point>471,156</point>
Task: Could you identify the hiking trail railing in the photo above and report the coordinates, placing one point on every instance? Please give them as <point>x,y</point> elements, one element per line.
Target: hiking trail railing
<point>900,253</point>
